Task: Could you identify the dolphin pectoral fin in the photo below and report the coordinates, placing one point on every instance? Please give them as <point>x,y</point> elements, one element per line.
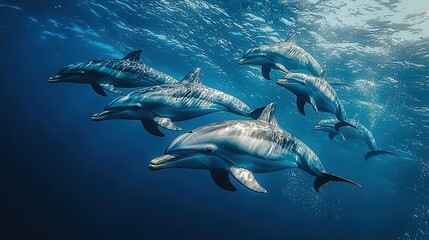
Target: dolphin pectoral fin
<point>247,178</point>
<point>151,127</point>
<point>377,152</point>
<point>313,104</point>
<point>109,87</point>
<point>300,103</point>
<point>332,136</point>
<point>167,123</point>
<point>342,136</point>
<point>281,67</point>
<point>326,177</point>
<point>221,178</point>
<point>98,89</point>
<point>266,72</point>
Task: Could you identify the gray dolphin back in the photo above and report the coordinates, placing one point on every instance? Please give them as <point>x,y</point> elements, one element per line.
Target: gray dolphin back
<point>299,57</point>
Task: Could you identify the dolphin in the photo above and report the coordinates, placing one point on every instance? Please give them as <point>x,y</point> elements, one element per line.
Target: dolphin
<point>165,104</point>
<point>328,125</point>
<point>128,72</point>
<point>282,56</point>
<point>241,148</point>
<point>317,92</point>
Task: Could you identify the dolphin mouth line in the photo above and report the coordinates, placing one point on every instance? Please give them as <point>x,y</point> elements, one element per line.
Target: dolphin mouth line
<point>285,81</point>
<point>55,78</point>
<point>105,114</point>
<point>62,76</point>
<point>241,61</point>
<point>317,127</point>
<point>282,81</point>
<point>167,159</point>
<point>244,60</point>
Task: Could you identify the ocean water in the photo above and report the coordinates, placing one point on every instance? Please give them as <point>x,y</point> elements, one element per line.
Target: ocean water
<point>64,176</point>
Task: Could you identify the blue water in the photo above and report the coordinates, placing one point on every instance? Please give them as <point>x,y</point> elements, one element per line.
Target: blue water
<point>64,176</point>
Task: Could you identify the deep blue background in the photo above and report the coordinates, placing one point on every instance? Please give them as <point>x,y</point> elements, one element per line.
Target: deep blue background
<point>63,176</point>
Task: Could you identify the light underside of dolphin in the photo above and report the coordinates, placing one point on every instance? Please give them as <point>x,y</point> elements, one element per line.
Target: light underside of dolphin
<point>358,131</point>
<point>166,104</point>
<point>283,56</point>
<point>108,74</point>
<point>241,149</point>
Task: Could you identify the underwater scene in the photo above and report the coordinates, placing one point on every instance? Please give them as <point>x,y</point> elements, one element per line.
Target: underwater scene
<point>198,119</point>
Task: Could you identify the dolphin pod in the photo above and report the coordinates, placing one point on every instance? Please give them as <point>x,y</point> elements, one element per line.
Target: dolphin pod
<point>328,125</point>
<point>312,89</point>
<point>242,148</point>
<point>108,74</point>
<point>165,104</point>
<point>238,148</point>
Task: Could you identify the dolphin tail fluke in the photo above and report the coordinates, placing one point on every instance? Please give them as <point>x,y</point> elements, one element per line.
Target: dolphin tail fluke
<point>377,152</point>
<point>326,177</point>
<point>256,113</point>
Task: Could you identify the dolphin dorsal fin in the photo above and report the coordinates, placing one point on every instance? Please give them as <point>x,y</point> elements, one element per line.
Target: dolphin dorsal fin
<point>323,74</point>
<point>274,122</point>
<point>268,114</point>
<point>133,56</point>
<point>193,77</point>
<point>290,37</point>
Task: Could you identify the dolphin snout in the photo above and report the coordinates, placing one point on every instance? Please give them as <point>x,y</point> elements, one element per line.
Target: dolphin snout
<point>241,61</point>
<point>67,77</point>
<point>317,127</point>
<point>162,159</point>
<point>282,82</point>
<point>159,162</point>
<point>104,115</point>
<point>97,117</point>
<point>55,79</point>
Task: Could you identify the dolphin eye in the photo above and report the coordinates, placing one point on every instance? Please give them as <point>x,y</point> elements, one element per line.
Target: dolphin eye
<point>210,150</point>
